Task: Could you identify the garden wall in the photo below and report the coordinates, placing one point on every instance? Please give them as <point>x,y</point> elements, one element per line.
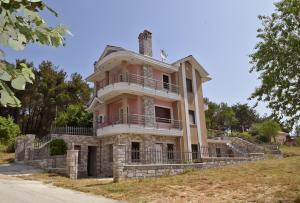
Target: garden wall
<point>141,171</point>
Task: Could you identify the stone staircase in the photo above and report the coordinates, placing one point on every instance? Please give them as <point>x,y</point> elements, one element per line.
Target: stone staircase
<point>248,148</point>
<point>42,142</point>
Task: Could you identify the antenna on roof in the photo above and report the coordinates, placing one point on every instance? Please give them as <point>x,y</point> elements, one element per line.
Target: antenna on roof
<point>163,55</point>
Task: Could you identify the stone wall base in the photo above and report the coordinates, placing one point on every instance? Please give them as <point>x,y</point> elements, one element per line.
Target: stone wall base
<point>151,170</point>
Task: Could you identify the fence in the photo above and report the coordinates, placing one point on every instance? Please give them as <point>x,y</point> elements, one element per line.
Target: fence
<point>69,130</point>
<point>150,156</point>
<point>137,119</point>
<point>140,80</point>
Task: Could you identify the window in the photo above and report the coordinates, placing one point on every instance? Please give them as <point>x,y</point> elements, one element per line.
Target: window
<point>135,152</point>
<point>166,81</point>
<point>162,115</point>
<point>78,147</point>
<point>218,152</point>
<point>189,86</point>
<point>170,148</point>
<point>192,117</point>
<point>194,151</point>
<point>110,153</point>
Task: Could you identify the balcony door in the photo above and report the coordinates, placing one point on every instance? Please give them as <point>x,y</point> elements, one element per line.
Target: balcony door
<point>162,114</point>
<point>166,82</point>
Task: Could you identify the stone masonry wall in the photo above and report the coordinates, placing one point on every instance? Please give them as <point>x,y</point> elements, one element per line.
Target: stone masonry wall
<point>84,142</point>
<point>149,110</point>
<point>141,171</point>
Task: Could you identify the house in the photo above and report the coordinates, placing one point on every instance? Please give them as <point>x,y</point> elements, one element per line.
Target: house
<point>280,138</point>
<point>149,104</point>
<point>148,120</point>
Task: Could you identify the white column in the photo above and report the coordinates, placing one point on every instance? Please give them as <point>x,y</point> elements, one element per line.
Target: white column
<point>197,113</point>
<point>186,108</point>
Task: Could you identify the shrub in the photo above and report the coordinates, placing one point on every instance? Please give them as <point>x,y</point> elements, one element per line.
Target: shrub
<point>268,129</point>
<point>58,147</point>
<point>8,133</point>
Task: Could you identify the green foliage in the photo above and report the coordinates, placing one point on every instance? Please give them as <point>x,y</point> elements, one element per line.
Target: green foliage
<point>8,132</point>
<point>18,77</point>
<point>75,115</point>
<point>238,117</point>
<point>243,135</point>
<point>58,147</point>
<point>268,129</point>
<point>20,25</point>
<point>51,93</point>
<point>276,59</point>
<point>245,116</point>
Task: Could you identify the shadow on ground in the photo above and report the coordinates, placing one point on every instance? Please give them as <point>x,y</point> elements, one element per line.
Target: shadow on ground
<point>15,169</point>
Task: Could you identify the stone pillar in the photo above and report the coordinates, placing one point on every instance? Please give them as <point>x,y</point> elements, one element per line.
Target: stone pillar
<point>118,161</point>
<point>72,163</point>
<point>29,147</point>
<point>148,76</point>
<point>20,149</point>
<point>149,111</point>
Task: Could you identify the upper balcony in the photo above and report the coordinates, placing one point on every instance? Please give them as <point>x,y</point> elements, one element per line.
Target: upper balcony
<point>138,85</point>
<point>138,124</point>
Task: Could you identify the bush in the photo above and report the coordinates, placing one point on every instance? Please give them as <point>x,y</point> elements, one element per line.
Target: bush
<point>58,147</point>
<point>243,135</point>
<point>8,133</point>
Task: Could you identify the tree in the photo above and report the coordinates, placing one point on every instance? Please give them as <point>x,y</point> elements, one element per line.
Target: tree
<point>226,117</point>
<point>50,94</point>
<point>268,129</point>
<point>20,25</point>
<point>277,59</point>
<point>8,132</point>
<point>211,114</point>
<point>75,115</point>
<point>245,115</point>
<point>219,116</point>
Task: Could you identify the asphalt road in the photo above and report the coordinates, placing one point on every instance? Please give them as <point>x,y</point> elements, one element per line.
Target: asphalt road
<point>15,190</point>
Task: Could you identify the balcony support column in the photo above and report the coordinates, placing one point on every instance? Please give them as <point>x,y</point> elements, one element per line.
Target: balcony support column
<point>186,109</point>
<point>197,113</point>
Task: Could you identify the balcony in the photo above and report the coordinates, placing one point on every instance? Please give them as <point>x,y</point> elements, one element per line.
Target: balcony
<point>139,124</point>
<point>137,84</point>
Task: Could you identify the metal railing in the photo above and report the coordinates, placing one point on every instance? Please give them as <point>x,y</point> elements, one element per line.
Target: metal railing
<point>39,142</point>
<point>71,130</point>
<point>153,156</point>
<point>137,119</point>
<point>140,80</point>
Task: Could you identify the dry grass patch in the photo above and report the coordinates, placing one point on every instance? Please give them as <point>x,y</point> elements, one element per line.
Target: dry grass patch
<point>6,157</point>
<point>262,181</point>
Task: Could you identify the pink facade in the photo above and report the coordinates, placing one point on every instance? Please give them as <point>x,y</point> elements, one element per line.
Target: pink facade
<point>162,103</point>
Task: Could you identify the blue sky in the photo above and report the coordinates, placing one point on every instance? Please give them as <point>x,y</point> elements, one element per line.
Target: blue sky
<point>220,34</point>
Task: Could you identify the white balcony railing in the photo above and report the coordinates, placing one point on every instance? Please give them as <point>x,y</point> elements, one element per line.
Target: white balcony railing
<point>140,80</point>
<point>142,120</point>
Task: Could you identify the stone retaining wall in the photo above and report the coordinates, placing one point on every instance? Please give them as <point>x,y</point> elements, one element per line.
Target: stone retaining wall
<point>58,161</point>
<point>141,171</point>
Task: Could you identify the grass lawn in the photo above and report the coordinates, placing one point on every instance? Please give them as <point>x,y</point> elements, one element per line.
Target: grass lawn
<point>274,180</point>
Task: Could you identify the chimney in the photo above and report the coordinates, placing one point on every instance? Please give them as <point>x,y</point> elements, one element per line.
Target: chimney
<point>145,43</point>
